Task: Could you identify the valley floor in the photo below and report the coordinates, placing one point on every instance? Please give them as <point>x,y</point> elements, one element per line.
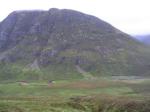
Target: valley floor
<point>107,94</point>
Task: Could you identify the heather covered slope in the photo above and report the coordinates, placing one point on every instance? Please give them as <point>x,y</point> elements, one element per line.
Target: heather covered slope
<point>66,44</point>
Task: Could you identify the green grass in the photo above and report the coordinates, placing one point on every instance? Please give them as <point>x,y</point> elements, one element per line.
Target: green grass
<point>91,95</point>
<point>62,88</point>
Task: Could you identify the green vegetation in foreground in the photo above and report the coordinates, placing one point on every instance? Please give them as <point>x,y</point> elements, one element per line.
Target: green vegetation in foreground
<point>100,103</point>
<point>97,95</point>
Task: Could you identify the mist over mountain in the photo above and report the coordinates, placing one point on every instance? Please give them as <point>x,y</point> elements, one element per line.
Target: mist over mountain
<point>66,44</point>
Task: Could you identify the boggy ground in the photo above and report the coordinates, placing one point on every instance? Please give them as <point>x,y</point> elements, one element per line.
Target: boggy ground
<point>90,95</point>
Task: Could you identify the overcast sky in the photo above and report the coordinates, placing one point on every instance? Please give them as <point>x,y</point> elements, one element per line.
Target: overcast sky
<point>130,16</point>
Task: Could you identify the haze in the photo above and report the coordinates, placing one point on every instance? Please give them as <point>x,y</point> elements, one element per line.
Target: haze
<point>130,16</point>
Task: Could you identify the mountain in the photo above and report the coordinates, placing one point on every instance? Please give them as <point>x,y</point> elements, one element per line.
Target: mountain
<point>66,44</point>
<point>144,38</point>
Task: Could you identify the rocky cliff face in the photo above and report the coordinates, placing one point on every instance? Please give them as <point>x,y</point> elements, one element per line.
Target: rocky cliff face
<point>52,43</point>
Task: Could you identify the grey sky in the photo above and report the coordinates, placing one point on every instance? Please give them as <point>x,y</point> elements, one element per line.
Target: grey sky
<point>130,16</point>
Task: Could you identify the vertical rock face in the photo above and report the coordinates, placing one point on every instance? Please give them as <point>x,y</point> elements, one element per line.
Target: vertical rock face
<point>61,39</point>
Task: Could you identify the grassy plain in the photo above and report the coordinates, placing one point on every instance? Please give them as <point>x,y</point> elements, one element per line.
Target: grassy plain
<point>91,95</point>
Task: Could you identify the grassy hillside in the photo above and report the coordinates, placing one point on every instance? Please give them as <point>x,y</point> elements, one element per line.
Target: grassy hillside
<point>51,45</point>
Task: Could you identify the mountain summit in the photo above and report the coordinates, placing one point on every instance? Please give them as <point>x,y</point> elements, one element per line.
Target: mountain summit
<point>64,44</point>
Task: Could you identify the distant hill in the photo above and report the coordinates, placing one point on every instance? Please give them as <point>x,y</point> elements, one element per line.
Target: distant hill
<point>144,38</point>
<point>66,44</point>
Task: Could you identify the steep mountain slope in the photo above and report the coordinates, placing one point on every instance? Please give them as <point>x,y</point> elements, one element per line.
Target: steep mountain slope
<point>38,45</point>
